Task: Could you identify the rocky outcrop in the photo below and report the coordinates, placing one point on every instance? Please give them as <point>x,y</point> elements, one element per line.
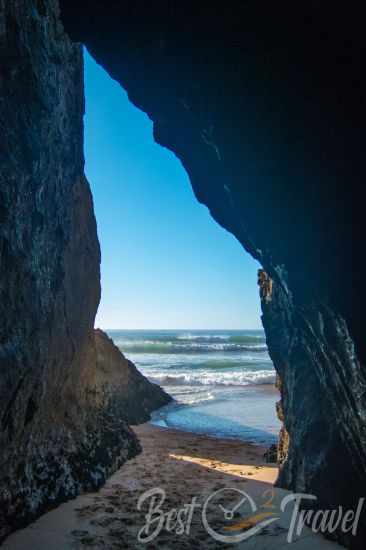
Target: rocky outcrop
<point>63,459</point>
<point>60,432</point>
<point>126,389</point>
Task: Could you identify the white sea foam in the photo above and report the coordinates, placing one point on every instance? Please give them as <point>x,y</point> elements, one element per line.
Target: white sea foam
<point>201,358</point>
<point>209,378</point>
<point>202,337</point>
<point>213,377</point>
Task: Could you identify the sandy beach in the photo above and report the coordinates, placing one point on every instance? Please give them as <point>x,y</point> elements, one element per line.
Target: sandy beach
<point>176,467</point>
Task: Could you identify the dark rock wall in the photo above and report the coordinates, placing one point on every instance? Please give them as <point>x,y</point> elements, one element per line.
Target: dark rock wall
<point>59,431</point>
<point>321,444</point>
<point>263,104</point>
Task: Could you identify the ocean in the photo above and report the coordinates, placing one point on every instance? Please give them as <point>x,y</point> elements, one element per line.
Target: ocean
<point>221,380</point>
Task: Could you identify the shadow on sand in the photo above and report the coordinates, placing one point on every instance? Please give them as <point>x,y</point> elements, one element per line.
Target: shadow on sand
<point>189,483</point>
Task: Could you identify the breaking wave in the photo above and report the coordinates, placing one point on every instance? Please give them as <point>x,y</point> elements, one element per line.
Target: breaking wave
<point>206,378</point>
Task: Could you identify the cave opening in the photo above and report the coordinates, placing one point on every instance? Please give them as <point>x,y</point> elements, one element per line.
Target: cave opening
<point>225,88</point>
<point>179,294</point>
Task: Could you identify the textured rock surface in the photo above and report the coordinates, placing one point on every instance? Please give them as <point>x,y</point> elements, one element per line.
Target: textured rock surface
<point>264,107</point>
<point>321,442</point>
<point>60,432</point>
<point>130,393</point>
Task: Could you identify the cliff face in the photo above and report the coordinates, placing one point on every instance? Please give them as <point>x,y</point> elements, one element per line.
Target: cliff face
<point>59,431</point>
<point>321,445</point>
<point>264,107</point>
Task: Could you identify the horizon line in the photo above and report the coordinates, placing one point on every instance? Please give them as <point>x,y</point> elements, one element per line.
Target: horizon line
<point>149,328</point>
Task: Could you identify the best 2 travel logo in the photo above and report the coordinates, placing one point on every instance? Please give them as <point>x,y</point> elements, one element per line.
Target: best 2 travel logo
<point>242,517</point>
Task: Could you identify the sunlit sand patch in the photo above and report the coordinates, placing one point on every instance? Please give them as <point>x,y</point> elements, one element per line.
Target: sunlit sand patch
<point>261,473</point>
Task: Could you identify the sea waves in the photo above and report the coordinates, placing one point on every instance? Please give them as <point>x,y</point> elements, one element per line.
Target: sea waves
<point>189,342</point>
<point>209,378</point>
<point>219,379</point>
<point>189,360</point>
<point>147,346</point>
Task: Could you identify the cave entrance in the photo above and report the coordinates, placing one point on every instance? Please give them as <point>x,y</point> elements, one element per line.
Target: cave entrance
<point>179,296</point>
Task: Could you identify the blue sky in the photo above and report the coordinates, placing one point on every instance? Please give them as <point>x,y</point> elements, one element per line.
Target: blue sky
<point>165,262</point>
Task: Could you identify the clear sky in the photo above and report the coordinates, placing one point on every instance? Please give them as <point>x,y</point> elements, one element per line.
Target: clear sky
<point>165,262</point>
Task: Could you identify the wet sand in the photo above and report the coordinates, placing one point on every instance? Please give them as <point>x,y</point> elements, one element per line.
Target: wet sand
<point>178,467</point>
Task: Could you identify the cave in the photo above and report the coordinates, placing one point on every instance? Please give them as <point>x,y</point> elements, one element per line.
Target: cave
<point>265,109</point>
